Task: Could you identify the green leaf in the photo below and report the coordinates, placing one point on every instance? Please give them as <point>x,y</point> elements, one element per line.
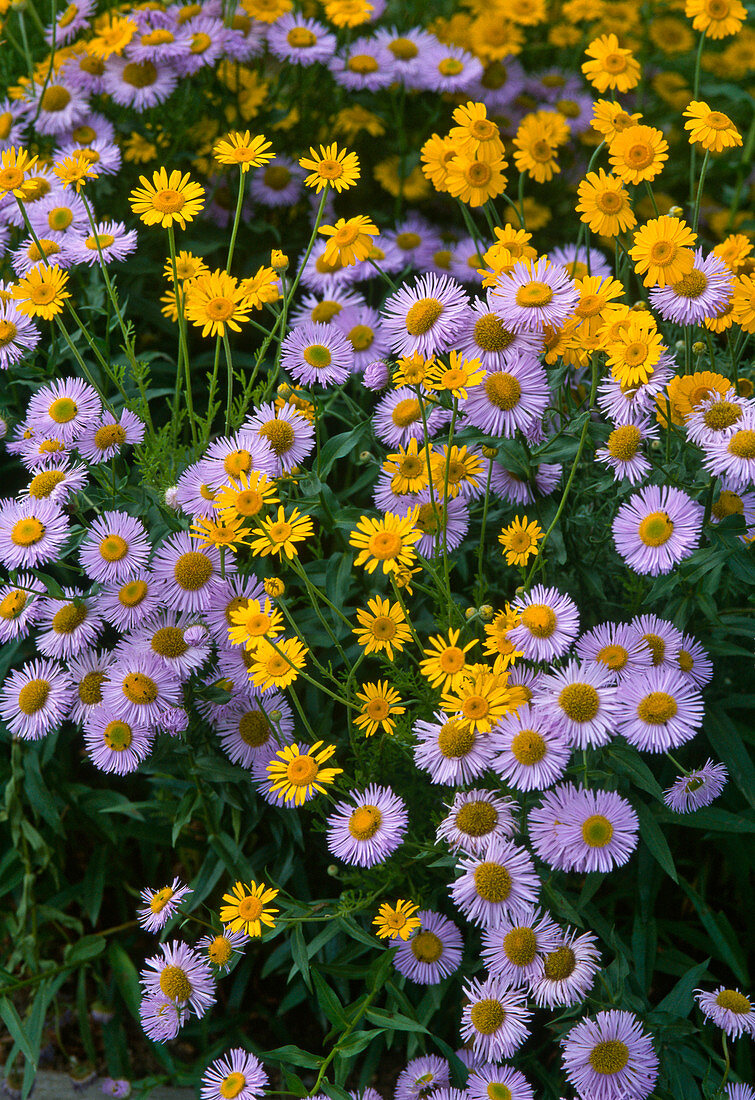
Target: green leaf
<point>629,763</point>
<point>714,926</point>
<point>356,932</point>
<point>295,1055</point>
<point>299,954</point>
<point>328,1001</point>
<point>393,1021</point>
<point>336,447</point>
<point>725,740</point>
<point>656,842</point>
<point>88,947</point>
<point>126,978</point>
<point>12,1021</point>
<point>357,1041</point>
<point>679,1001</point>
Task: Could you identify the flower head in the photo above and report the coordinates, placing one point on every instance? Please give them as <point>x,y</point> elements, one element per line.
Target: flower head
<point>696,789</point>
<point>242,150</point>
<point>331,167</point>
<point>168,199</point>
<point>246,909</point>
<point>388,542</point>
<point>297,776</point>
<point>610,1057</point>
<point>396,921</point>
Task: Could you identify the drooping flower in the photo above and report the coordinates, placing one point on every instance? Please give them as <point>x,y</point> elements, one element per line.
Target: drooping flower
<point>696,789</point>
<point>182,975</point>
<point>160,905</point>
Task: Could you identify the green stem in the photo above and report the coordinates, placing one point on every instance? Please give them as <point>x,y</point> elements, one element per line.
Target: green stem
<point>236,221</point>
<point>183,345</point>
<point>229,382</point>
<point>480,586</point>
<point>695,95</point>
<point>696,214</point>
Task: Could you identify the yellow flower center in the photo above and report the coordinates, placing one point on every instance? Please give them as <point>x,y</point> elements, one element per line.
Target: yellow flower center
<point>476,818</point>
<point>636,353</point>
<point>279,532</point>
<point>139,689</point>
<point>6,123</point>
<point>721,415</point>
<point>13,604</point>
<point>639,156</point>
<point>520,946</point>
<point>609,202</point>
<point>450,66</point>
<point>423,315</point>
<point>657,647</point>
<point>503,390</point>
<point>55,98</point>
<point>161,899</point>
<point>385,545</point>
<point>529,747</point>
<point>169,642</point>
<point>614,657</point>
<point>623,443</point>
<point>158,37</point>
<point>497,1091</point>
<point>48,248</point>
<point>662,253</point>
<point>219,951</point>
<point>478,173</point>
<point>614,63</point>
<point>68,16</point>
<point>192,570</point>
<point>89,688</point>
<point>406,412</point>
<point>429,518</point>
<point>362,63</point>
<point>318,356</point>
<point>656,529</point>
<point>560,964</point>
<point>220,308</point>
<point>33,696</point>
<point>237,462</point>
<point>487,1016</point>
<point>10,178</point>
<point>325,311</point>
<point>383,628</point>
<point>442,258</point>
<point>657,708</point>
<point>407,241</point>
<point>28,531</point>
<point>232,1085</point>
<point>362,337</point>
<point>451,659</point>
<point>490,334</point>
<point>117,736</point>
<point>579,702</point>
<point>378,709</point>
<point>200,42</point>
<point>540,151</point>
<point>302,771</point>
<point>734,1001</point>
<point>685,660</point>
<point>728,504</point>
<point>113,548</point>
<point>279,434</point>
<point>716,120</point>
<point>168,201</point>
<point>175,984</point>
<point>742,444</point>
<point>249,502</point>
<point>455,740</point>
<point>132,594</point>
<point>365,822</point>
<point>403,49</point>
<point>43,484</point>
<point>609,1057</point>
<point>539,619</point>
<point>597,831</point>
<point>301,38</point>
<point>250,908</point>
<point>254,729</point>
<point>492,881</point>
<point>426,947</point>
<point>110,435</point>
<point>692,285</point>
<point>62,410</point>
<point>7,333</point>
<point>69,618</point>
<point>141,75</point>
<point>534,294</point>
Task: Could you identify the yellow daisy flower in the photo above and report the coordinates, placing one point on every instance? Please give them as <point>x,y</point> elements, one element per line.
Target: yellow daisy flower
<point>277,665</point>
<point>168,199</point>
<point>604,204</point>
<point>482,698</point>
<point>718,18</point>
<point>188,266</point>
<point>41,293</point>
<point>348,13</point>
<point>332,167</point>
<point>663,251</point>
<point>279,536</point>
<point>712,130</point>
<point>610,118</point>
<point>497,642</point>
<point>452,471</point>
<point>260,288</point>
<point>382,628</point>
<point>75,170</point>
<point>14,165</point>
<point>350,240</point>
<point>247,495</point>
<point>243,150</point>
<point>245,911</point>
<point>408,469</point>
<point>519,540</point>
<point>254,622</point>
<point>474,181</point>
<point>379,706</point>
<point>396,921</point>
<point>274,587</point>
<point>476,134</point>
<point>388,542</point>
<point>455,377</point>
<point>215,302</point>
<point>634,355</point>
<point>638,153</point>
<point>230,532</point>
<point>610,65</point>
<point>296,776</point>
<point>445,665</point>
<point>411,370</point>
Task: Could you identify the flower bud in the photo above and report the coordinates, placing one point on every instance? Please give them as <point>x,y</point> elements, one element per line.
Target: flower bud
<point>171,497</point>
<point>698,347</point>
<point>486,612</point>
<point>470,612</point>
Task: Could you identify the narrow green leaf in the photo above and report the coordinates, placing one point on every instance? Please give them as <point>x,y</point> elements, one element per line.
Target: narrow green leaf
<point>724,738</point>
<point>299,953</point>
<point>652,836</point>
<point>295,1055</point>
<point>393,1020</point>
<point>12,1021</point>
<point>328,1001</point>
<point>679,1001</point>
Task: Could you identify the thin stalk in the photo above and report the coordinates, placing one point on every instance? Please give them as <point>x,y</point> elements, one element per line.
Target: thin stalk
<point>696,214</point>
<point>695,96</point>
<point>229,381</point>
<point>183,345</point>
<point>236,221</point>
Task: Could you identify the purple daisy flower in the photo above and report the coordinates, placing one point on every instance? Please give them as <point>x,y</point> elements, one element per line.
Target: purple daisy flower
<point>323,310</point>
<point>376,375</point>
<point>361,326</point>
<point>616,648</point>
<point>181,974</point>
<point>704,292</point>
<point>113,743</point>
<point>482,335</point>
<point>598,830</point>
<point>161,1017</point>
<point>165,636</point>
<point>87,671</point>
<point>398,418</point>
<point>35,699</point>
<point>115,548</point>
<point>489,1080</point>
<point>61,107</point>
<point>467,263</point>
<point>476,817</point>
<point>656,528</point>
<point>137,600</point>
<point>366,65</point>
<point>694,662</point>
<point>451,753</point>
<point>250,726</point>
<point>627,406</point>
<point>139,686</point>
<point>495,1019</point>
<point>57,482</point>
<point>610,1058</point>
<point>69,625</point>
<point>732,457</point>
<point>579,702</point>
<point>549,623</point>
<point>509,399</point>
<point>412,237</point>
<point>425,316</point>
<point>20,606</point>
<point>245,38</point>
<point>63,408</point>
<point>411,50</point>
<point>101,441</point>
<point>116,1086</point>
<point>70,23</point>
<point>290,435</point>
<point>32,532</point>
<point>514,950</point>
<point>502,883</point>
<point>138,85</point>
<point>114,240</point>
<point>208,42</point>
<point>422,1076</point>
<point>15,122</point>
<point>697,788</point>
<point>453,69</point>
<point>160,905</point>
<point>194,495</point>
<point>237,1074</point>
<point>533,295</point>
<point>26,257</point>
<point>714,417</point>
<point>369,829</point>
<point>661,637</point>
<point>659,710</point>
<point>545,828</point>
<point>106,159</point>
<point>18,335</point>
<point>278,184</point>
<point>568,971</point>
<point>729,1009</point>
<point>622,450</point>
<point>193,580</point>
<point>432,952</point>
<point>740,1092</point>
<point>514,490</point>
<point>444,524</point>
<point>531,754</point>
<point>314,353</point>
<point>221,948</point>
<point>300,41</point>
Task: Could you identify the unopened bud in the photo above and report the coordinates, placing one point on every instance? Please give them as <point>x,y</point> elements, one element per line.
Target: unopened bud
<point>698,347</point>
<point>676,212</point>
<point>519,591</point>
<point>470,612</point>
<point>274,586</point>
<point>171,497</point>
<point>744,385</point>
<point>486,612</point>
<point>679,345</point>
<point>637,307</point>
<point>365,457</point>
<point>332,870</point>
<point>278,260</point>
<point>488,451</point>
